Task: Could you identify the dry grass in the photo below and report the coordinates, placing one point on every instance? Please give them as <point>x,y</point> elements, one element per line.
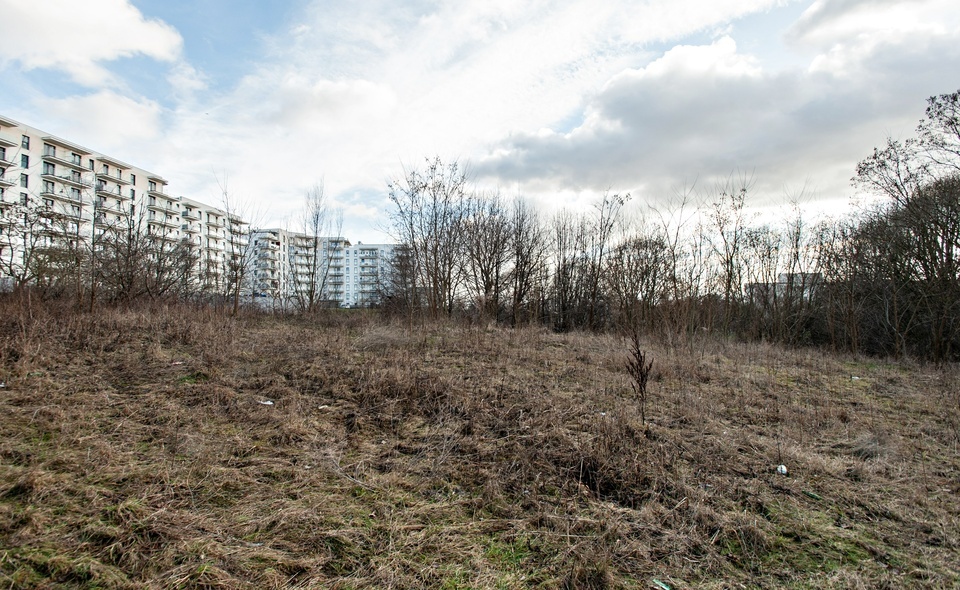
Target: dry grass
<point>136,451</point>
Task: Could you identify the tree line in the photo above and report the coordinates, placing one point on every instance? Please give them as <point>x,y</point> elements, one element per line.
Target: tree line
<point>881,280</point>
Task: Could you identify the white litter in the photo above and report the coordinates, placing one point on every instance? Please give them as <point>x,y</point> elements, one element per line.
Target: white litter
<point>265,402</point>
<point>782,469</point>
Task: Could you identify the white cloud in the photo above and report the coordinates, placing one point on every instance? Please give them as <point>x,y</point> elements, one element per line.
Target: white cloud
<point>105,121</point>
<point>704,112</point>
<point>350,92</point>
<point>562,98</point>
<point>845,33</point>
<point>76,37</point>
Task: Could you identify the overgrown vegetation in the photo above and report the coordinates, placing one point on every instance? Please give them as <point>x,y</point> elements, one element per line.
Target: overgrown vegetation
<point>885,280</point>
<point>177,447</point>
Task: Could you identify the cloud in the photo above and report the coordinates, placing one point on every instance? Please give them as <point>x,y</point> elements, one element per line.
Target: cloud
<point>76,37</point>
<point>556,99</point>
<point>704,112</point>
<point>105,121</point>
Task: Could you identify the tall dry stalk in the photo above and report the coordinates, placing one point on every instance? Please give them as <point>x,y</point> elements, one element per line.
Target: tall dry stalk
<point>639,367</point>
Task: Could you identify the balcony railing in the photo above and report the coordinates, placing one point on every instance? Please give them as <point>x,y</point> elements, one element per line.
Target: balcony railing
<point>74,180</point>
<point>75,163</point>
<point>115,193</point>
<point>161,206</point>
<point>112,177</point>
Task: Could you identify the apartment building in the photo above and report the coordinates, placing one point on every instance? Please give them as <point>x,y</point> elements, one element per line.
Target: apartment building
<point>294,267</point>
<point>86,193</point>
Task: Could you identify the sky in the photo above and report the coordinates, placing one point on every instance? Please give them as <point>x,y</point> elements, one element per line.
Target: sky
<point>559,101</point>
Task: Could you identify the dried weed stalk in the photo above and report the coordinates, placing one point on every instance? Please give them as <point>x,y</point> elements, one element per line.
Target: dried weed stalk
<point>639,367</point>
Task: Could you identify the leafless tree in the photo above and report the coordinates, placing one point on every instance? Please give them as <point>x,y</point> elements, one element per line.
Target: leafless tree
<point>430,207</point>
<point>486,240</point>
<point>310,255</point>
<point>529,248</point>
<point>237,263</point>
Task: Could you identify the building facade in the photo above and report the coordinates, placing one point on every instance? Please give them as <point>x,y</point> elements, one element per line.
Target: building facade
<point>56,193</point>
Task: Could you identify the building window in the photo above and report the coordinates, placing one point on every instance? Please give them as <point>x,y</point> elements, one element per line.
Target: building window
<point>152,186</point>
<point>75,193</point>
<point>133,193</point>
<point>49,150</point>
<point>3,153</point>
<point>24,198</point>
<point>133,178</point>
<point>47,186</point>
<point>24,161</point>
<point>76,159</point>
<point>105,169</point>
<point>49,168</point>
<point>24,181</point>
<point>25,142</point>
<point>90,164</point>
<point>48,203</point>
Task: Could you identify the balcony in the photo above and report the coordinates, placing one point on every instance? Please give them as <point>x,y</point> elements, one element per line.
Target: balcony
<point>6,182</point>
<point>190,228</point>
<point>214,222</point>
<point>117,178</point>
<point>73,199</point>
<point>103,220</point>
<point>74,180</point>
<point>71,162</point>
<point>103,205</point>
<point>171,223</point>
<point>191,215</point>
<point>161,206</point>
<point>114,193</point>
<point>8,143</point>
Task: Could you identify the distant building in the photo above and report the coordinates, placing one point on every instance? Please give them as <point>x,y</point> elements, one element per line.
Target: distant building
<point>792,287</point>
<point>292,267</point>
<point>84,193</point>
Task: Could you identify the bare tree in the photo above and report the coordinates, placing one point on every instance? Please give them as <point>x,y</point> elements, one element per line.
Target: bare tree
<point>487,234</point>
<point>570,271</point>
<point>237,263</point>
<point>430,207</point>
<point>728,221</point>
<point>310,255</point>
<point>529,247</point>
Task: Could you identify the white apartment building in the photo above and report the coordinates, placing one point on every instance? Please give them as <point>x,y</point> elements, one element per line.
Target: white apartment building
<point>286,267</point>
<point>89,192</point>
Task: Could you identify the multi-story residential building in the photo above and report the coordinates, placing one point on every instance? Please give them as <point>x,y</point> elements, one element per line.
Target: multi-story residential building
<point>297,267</point>
<point>366,266</point>
<point>82,194</point>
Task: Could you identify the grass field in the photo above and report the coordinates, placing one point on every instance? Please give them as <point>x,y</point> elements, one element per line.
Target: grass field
<point>177,448</point>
